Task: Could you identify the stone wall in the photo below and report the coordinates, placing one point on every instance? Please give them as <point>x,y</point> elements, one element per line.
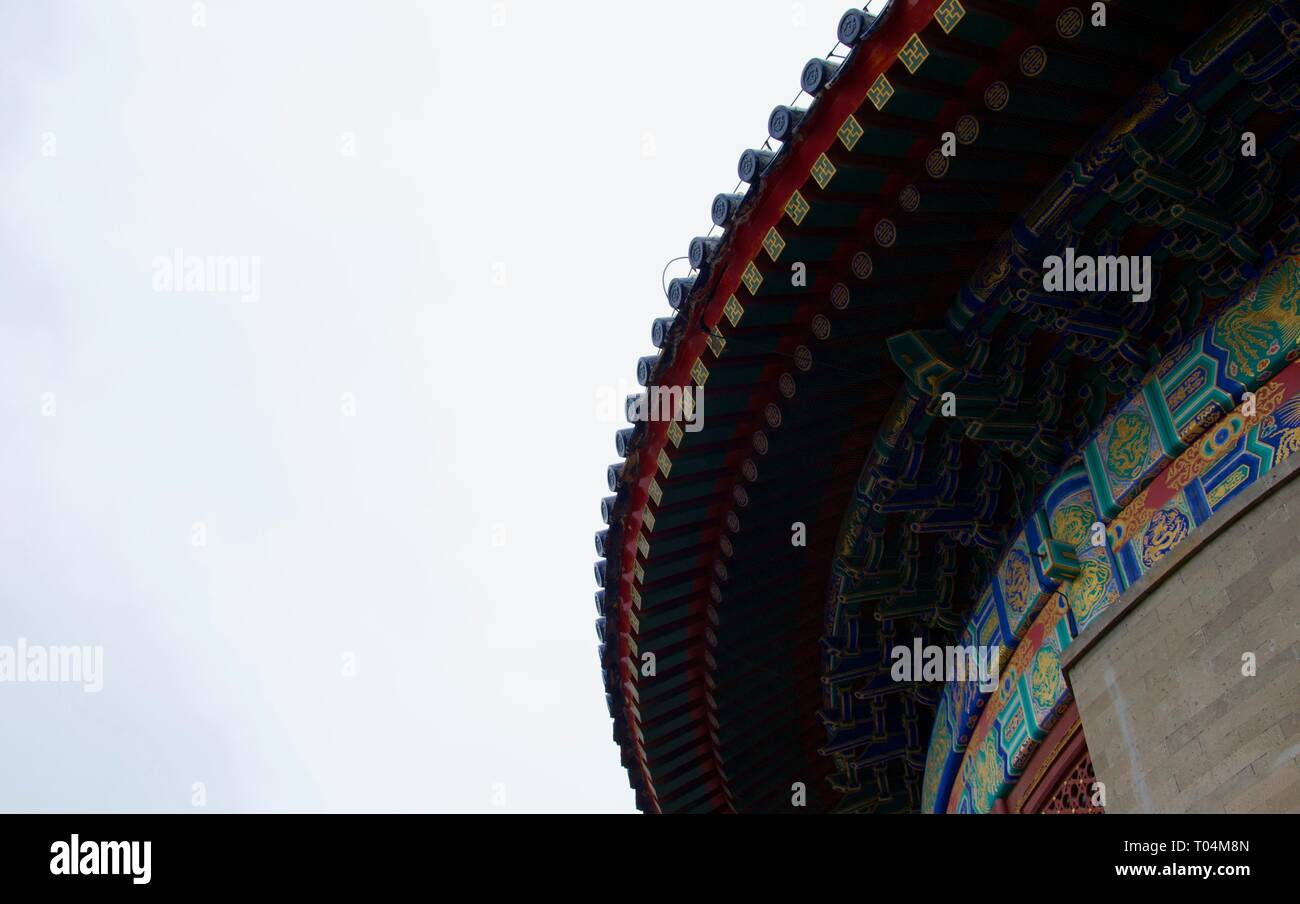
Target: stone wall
<point>1171,721</point>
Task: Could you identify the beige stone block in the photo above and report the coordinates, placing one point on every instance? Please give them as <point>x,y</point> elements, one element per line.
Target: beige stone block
<point>1252,708</point>
<point>1286,800</point>
<point>1276,541</point>
<point>1215,802</point>
<point>1183,731</point>
<point>1224,764</point>
<point>1289,724</point>
<point>1227,619</point>
<point>1269,783</point>
<point>1278,621</point>
<point>1186,764</point>
<point>1229,560</point>
<point>1285,573</point>
<point>1251,589</point>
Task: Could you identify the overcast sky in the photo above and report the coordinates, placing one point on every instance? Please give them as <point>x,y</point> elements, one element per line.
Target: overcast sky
<point>335,542</point>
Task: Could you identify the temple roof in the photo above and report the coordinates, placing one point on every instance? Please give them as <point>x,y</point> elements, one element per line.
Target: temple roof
<point>824,299</point>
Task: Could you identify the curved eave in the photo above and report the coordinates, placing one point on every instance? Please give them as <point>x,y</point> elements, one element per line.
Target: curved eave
<point>707,768</point>
<point>741,244</point>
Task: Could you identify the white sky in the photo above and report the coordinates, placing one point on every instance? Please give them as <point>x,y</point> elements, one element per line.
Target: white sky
<point>519,147</point>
